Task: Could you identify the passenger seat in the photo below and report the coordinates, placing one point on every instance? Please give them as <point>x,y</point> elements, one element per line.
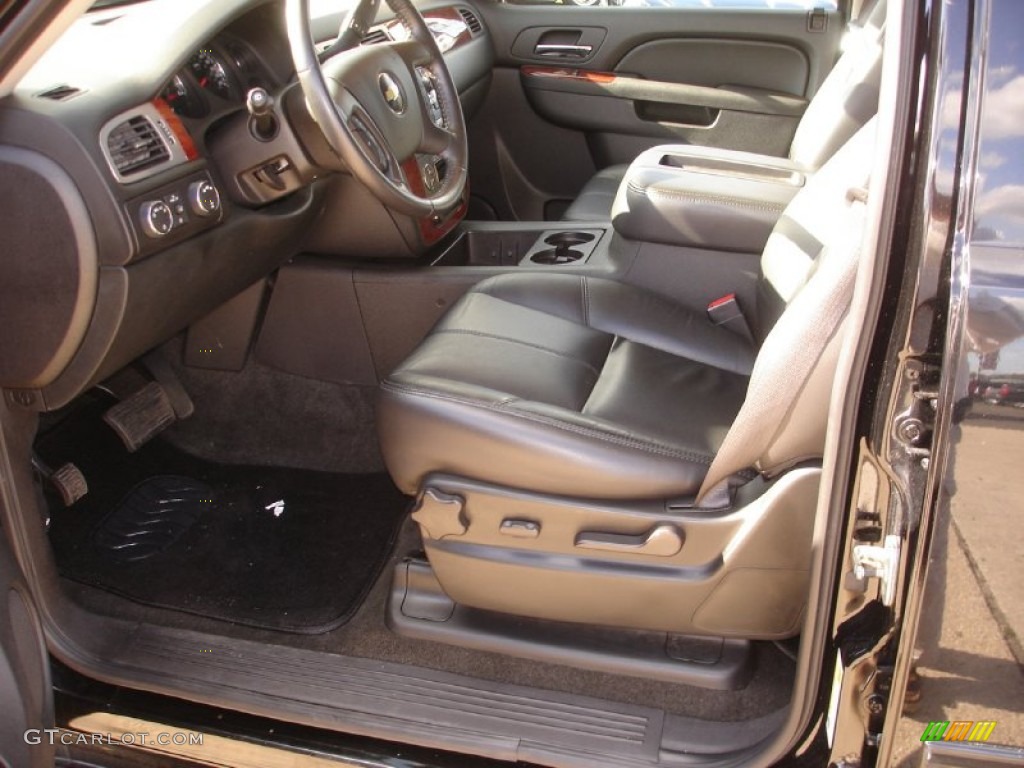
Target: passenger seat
<point>846,101</point>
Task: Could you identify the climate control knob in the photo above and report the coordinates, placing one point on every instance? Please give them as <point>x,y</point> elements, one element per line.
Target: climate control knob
<point>156,218</point>
<point>203,198</point>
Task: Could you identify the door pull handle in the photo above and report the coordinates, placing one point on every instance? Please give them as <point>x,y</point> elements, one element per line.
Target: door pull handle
<point>563,50</point>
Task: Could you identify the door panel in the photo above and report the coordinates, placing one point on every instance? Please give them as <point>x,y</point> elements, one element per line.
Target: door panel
<point>721,62</point>
<point>602,84</point>
<point>26,697</point>
<point>631,105</point>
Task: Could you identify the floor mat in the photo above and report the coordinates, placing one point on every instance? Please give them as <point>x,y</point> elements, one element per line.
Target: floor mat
<point>274,548</point>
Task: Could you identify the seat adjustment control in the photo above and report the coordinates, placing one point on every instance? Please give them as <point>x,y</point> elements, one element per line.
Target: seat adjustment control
<point>520,529</point>
<point>663,541</point>
<point>440,514</point>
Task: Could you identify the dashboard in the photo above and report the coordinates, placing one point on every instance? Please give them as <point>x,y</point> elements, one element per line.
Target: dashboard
<point>144,196</point>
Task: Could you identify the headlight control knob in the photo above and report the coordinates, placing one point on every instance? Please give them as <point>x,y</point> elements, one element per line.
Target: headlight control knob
<point>156,218</point>
<point>203,198</point>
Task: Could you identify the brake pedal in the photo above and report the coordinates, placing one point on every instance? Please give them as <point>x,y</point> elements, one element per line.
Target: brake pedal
<point>67,480</point>
<point>141,417</point>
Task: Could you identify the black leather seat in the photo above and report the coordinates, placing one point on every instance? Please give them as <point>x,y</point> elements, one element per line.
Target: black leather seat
<point>587,451</point>
<point>567,385</point>
<point>578,386</point>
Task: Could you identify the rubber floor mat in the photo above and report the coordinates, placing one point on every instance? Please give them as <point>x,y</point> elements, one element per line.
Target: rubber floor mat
<point>275,548</point>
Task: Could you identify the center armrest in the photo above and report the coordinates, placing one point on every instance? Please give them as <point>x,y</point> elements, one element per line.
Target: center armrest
<point>703,197</point>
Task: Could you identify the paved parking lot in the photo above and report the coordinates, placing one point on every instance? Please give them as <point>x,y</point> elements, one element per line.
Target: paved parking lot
<point>975,672</point>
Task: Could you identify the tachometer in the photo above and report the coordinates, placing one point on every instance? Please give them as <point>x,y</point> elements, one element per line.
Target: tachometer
<point>212,74</point>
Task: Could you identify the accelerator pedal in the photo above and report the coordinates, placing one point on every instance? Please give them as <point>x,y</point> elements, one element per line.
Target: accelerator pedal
<point>142,416</point>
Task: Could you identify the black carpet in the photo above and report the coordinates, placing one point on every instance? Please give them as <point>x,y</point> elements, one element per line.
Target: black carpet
<point>283,549</point>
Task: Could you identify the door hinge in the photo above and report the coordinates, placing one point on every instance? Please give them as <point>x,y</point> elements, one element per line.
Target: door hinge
<point>871,561</point>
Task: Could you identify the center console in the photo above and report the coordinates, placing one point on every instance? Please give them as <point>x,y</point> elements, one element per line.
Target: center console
<point>705,198</point>
<point>504,244</point>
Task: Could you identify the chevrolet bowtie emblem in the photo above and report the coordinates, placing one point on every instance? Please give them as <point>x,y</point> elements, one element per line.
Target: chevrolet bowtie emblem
<point>392,93</point>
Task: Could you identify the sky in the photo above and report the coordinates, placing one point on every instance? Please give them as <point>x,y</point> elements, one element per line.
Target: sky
<point>999,201</point>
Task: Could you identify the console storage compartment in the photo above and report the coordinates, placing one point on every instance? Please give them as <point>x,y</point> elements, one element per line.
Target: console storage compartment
<point>507,244</point>
<point>706,198</point>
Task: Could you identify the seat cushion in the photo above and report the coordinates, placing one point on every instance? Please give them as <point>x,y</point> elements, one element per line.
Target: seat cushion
<point>568,385</point>
<point>594,202</point>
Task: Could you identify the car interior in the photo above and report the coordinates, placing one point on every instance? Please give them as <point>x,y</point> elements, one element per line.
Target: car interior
<point>455,372</point>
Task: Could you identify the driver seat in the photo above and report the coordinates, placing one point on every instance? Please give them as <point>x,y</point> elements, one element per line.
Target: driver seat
<point>585,450</point>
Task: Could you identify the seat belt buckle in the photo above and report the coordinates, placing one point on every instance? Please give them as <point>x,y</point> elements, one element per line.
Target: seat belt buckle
<point>725,311</point>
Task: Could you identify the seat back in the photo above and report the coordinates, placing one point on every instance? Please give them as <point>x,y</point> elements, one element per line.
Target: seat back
<point>808,269</point>
<point>847,99</point>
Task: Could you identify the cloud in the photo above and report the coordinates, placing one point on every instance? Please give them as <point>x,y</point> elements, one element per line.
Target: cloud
<point>991,160</point>
<point>1007,200</point>
<point>999,75</point>
<point>949,112</point>
<point>1003,114</point>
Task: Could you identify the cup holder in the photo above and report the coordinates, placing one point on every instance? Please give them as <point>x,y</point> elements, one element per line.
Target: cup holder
<point>564,246</point>
<point>560,255</point>
<point>568,239</point>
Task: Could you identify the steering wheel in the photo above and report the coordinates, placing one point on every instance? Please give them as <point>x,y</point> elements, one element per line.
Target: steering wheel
<point>389,111</point>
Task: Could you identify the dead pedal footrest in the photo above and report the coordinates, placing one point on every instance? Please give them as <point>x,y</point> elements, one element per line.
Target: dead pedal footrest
<point>141,417</point>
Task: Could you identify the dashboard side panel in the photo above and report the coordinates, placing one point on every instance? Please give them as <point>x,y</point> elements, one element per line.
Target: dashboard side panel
<point>48,276</point>
<point>146,303</point>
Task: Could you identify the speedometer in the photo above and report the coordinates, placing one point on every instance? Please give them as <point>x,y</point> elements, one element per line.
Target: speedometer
<point>212,74</point>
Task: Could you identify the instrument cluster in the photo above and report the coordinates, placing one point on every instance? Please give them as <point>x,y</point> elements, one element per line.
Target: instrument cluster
<point>218,74</point>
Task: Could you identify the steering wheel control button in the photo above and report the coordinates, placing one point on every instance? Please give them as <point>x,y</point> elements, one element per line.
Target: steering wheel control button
<point>156,218</point>
<point>431,178</point>
<point>203,198</point>
<point>433,101</point>
<point>392,93</point>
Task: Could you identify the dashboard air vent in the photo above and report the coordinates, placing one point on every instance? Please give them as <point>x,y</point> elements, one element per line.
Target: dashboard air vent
<point>471,21</point>
<point>135,145</point>
<point>378,35</point>
<point>59,92</point>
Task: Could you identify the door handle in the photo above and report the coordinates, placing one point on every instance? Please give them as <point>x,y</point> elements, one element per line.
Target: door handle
<point>563,50</point>
<point>663,541</point>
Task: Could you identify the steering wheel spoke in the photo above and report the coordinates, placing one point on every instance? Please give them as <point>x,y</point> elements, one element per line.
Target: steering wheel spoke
<point>436,139</point>
<point>373,144</point>
<point>380,106</point>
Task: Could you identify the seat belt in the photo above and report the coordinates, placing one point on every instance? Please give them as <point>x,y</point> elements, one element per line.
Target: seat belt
<point>788,356</point>
<point>856,11</point>
<point>861,10</point>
